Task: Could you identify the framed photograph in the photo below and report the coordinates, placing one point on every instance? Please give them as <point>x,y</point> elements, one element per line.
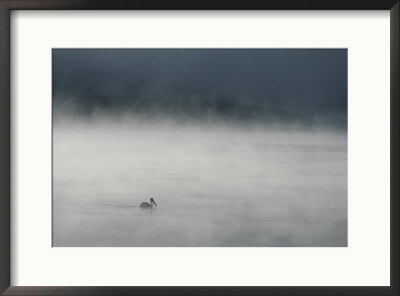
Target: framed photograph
<point>190,148</point>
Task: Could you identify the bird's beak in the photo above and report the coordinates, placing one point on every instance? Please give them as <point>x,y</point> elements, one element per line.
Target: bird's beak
<point>154,202</point>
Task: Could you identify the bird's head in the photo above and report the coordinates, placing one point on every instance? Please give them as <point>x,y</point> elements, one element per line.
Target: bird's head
<point>152,201</point>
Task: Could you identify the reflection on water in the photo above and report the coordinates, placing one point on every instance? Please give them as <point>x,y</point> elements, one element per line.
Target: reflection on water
<point>227,187</point>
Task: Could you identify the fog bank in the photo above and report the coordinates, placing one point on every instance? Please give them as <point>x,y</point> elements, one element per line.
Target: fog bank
<point>224,186</point>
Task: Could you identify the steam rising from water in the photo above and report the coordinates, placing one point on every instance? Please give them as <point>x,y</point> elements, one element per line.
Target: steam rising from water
<point>215,185</point>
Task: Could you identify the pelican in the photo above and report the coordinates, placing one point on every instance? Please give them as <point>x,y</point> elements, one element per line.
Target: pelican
<point>146,205</point>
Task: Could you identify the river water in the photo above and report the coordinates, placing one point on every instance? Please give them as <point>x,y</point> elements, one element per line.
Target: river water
<point>225,186</point>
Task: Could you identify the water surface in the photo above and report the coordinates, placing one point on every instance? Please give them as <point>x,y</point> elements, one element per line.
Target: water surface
<point>224,186</point>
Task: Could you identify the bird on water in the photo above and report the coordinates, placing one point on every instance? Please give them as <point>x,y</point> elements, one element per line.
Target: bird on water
<point>146,205</point>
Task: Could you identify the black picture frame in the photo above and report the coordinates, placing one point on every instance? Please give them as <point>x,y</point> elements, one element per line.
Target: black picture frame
<point>5,170</point>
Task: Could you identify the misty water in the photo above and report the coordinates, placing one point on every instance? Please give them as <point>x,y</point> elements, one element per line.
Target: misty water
<point>215,186</point>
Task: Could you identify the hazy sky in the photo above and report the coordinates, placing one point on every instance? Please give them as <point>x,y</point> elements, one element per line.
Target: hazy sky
<point>306,83</point>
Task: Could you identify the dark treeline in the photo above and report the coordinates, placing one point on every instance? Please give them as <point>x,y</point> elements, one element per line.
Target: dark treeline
<point>263,86</point>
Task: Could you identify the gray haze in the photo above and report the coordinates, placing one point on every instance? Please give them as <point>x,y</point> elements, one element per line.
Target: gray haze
<point>239,148</point>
